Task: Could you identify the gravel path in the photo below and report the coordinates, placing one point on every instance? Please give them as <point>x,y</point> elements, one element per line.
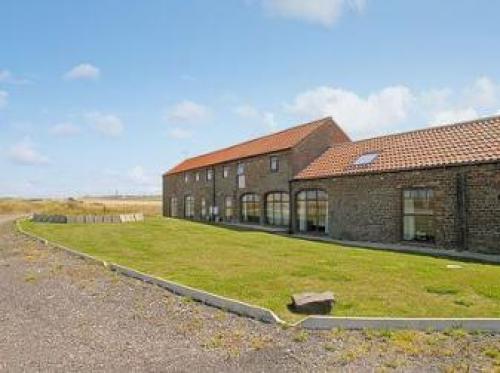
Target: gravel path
<point>59,313</point>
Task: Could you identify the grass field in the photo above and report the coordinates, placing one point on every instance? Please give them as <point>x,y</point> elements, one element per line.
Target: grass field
<point>80,206</point>
<point>266,269</point>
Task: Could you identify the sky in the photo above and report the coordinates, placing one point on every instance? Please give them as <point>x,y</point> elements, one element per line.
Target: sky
<point>103,96</point>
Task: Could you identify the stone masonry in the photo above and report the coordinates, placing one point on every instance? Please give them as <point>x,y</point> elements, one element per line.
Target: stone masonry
<point>369,207</point>
<point>361,207</point>
<point>258,177</point>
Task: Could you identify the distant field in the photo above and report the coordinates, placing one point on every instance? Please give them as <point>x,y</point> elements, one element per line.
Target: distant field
<point>145,205</point>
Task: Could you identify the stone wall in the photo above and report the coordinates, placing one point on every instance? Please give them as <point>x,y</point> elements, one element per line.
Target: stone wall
<point>87,219</point>
<point>369,207</point>
<point>483,206</point>
<point>258,179</point>
<point>314,145</point>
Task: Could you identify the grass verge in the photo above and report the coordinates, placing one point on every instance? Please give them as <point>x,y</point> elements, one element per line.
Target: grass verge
<point>265,269</point>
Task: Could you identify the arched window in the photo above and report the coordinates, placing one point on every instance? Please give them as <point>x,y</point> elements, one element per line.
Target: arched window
<point>250,208</point>
<point>189,207</point>
<point>312,211</point>
<point>277,208</point>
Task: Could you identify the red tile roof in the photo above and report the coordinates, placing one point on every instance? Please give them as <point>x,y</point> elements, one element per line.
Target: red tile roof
<point>476,141</point>
<point>267,144</point>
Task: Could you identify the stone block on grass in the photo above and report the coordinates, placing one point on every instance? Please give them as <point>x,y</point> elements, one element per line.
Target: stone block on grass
<point>313,303</point>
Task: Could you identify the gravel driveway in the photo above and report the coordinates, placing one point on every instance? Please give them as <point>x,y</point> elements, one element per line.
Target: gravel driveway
<point>60,313</point>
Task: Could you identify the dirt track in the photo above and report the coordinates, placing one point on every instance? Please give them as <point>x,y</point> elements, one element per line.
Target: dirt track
<point>59,313</point>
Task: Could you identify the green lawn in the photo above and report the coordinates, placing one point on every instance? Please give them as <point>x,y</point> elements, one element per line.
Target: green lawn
<point>265,269</point>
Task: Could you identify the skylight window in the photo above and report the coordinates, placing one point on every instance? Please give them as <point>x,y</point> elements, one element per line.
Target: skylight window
<point>366,159</point>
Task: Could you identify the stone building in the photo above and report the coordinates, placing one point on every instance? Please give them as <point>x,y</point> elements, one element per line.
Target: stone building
<point>438,186</point>
<point>248,182</point>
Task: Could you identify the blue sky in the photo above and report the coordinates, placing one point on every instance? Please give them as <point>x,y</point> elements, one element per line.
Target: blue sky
<point>105,95</point>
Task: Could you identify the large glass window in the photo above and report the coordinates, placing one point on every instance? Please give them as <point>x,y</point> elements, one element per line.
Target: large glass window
<point>173,207</point>
<point>278,208</point>
<point>189,207</point>
<point>418,215</point>
<point>203,208</point>
<point>225,172</point>
<point>228,208</point>
<point>250,208</point>
<point>312,211</point>
<point>210,174</point>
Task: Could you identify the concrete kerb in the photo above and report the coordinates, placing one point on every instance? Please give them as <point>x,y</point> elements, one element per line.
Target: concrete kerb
<point>425,324</point>
<point>217,301</point>
<point>58,246</point>
<point>268,316</point>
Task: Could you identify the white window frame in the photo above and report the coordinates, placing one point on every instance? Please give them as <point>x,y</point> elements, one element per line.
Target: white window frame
<point>241,182</point>
<point>241,168</point>
<point>274,160</point>
<point>203,208</point>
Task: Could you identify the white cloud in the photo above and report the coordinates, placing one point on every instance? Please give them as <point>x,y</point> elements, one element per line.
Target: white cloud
<point>246,111</point>
<point>269,121</point>
<point>265,118</point>
<point>436,99</point>
<point>188,112</point>
<point>106,124</point>
<point>3,99</point>
<point>323,12</point>
<point>146,181</point>
<point>448,106</point>
<point>25,153</point>
<point>83,71</point>
<point>65,129</point>
<point>7,77</point>
<point>454,116</point>
<point>179,133</point>
<point>358,115</point>
<point>398,107</point>
<point>138,175</point>
<point>483,93</point>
